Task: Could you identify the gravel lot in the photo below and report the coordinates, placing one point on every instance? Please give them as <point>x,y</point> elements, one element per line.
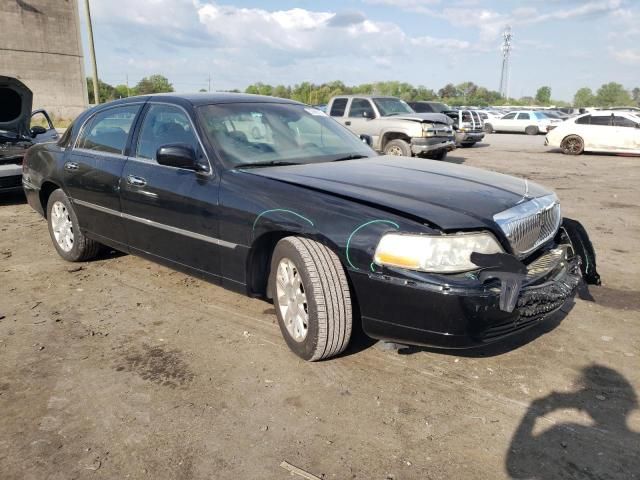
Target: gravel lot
<point>119,368</point>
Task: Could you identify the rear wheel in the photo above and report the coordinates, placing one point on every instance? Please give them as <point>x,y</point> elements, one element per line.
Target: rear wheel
<point>572,145</point>
<point>531,130</point>
<point>488,128</point>
<point>467,145</point>
<point>311,298</point>
<point>67,238</point>
<point>397,147</point>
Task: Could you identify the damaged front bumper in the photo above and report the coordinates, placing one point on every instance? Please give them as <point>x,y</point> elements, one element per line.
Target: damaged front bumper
<point>466,310</point>
<point>423,145</point>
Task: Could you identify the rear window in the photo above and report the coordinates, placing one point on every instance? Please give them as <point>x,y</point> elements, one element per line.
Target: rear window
<point>338,107</point>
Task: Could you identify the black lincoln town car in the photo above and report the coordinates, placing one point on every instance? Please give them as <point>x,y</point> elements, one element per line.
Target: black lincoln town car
<point>274,199</point>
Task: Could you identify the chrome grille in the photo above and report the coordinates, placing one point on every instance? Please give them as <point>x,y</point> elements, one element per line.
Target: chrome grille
<point>530,224</point>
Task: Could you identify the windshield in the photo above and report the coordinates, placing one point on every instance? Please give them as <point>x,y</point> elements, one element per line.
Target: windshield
<point>392,106</point>
<point>246,134</point>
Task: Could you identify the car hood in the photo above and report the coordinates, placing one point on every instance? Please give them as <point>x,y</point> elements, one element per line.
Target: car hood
<point>15,107</point>
<point>447,196</point>
<point>422,117</point>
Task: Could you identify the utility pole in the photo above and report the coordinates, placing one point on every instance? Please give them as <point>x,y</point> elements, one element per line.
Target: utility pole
<point>506,62</point>
<point>128,90</point>
<point>92,53</point>
<point>209,83</point>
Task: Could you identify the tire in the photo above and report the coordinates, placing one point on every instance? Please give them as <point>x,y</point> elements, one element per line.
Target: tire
<point>572,145</point>
<point>327,299</point>
<point>532,130</point>
<point>467,145</point>
<point>397,147</point>
<point>75,247</point>
<point>438,154</point>
<point>488,128</point>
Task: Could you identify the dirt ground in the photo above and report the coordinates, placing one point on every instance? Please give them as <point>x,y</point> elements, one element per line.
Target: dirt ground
<point>119,368</point>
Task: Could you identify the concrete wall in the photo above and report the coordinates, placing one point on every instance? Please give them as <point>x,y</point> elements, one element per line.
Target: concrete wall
<point>40,45</point>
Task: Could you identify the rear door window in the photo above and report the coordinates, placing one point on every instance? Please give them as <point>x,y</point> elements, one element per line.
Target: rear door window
<point>509,116</point>
<point>586,120</point>
<point>602,120</point>
<point>523,116</point>
<point>338,107</point>
<point>108,131</point>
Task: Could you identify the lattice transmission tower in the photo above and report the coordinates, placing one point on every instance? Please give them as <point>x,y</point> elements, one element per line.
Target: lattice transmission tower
<point>506,61</point>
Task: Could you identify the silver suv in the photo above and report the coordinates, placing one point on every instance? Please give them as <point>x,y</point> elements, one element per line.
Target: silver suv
<point>394,128</point>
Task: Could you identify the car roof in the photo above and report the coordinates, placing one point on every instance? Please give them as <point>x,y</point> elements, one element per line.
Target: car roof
<point>197,99</point>
<point>367,96</point>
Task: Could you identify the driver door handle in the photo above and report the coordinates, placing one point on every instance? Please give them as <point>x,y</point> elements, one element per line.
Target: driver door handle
<point>348,122</point>
<point>71,166</point>
<point>136,181</point>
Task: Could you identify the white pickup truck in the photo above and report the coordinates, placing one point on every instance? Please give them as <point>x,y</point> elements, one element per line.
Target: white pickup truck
<point>394,128</point>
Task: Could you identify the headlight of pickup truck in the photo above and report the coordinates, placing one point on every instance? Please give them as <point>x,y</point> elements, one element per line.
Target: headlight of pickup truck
<point>429,253</point>
<point>428,130</point>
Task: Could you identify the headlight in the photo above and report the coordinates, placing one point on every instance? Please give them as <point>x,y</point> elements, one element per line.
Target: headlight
<point>427,253</point>
<point>428,130</point>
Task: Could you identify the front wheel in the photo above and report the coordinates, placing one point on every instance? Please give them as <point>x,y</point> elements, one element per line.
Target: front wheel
<point>488,128</point>
<point>531,130</point>
<point>397,147</point>
<point>69,241</point>
<point>572,145</point>
<point>311,298</point>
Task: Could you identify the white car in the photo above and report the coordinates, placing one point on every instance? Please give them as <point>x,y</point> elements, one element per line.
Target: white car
<point>599,131</point>
<point>522,121</point>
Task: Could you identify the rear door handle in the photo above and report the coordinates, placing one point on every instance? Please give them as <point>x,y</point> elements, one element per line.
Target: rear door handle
<point>136,181</point>
<point>347,123</point>
<point>71,166</point>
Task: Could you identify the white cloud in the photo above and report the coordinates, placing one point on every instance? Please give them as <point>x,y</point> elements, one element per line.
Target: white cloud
<point>627,56</point>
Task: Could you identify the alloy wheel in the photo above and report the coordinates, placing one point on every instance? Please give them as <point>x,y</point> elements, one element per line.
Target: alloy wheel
<point>62,226</point>
<point>292,300</point>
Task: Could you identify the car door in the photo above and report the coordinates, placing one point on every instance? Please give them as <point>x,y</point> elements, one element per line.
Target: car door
<point>40,118</point>
<point>338,110</point>
<point>170,213</point>
<point>506,123</point>
<point>359,117</point>
<point>627,133</point>
<point>522,121</point>
<point>599,132</point>
<point>93,168</point>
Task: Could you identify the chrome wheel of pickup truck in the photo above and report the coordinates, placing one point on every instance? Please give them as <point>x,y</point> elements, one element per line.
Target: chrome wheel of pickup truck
<point>62,226</point>
<point>397,147</point>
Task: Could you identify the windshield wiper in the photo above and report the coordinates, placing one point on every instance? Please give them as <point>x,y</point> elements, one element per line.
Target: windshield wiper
<point>350,157</point>
<point>270,163</point>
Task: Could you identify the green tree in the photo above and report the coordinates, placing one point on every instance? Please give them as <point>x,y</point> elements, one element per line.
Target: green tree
<point>153,84</point>
<point>202,90</point>
<point>584,98</point>
<point>612,94</point>
<point>106,92</point>
<point>121,91</point>
<point>543,95</point>
<point>635,94</point>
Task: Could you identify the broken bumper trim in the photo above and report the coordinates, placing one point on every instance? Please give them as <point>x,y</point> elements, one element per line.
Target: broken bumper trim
<point>427,145</point>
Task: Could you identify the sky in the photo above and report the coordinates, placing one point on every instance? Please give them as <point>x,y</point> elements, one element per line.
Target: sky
<point>564,44</point>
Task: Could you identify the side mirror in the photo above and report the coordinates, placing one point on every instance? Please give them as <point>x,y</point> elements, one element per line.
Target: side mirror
<point>366,139</point>
<point>179,156</point>
<point>366,114</point>
<point>37,130</point>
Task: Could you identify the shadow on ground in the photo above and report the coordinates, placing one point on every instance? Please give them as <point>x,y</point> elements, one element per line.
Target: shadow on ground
<point>603,447</point>
<point>12,198</point>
